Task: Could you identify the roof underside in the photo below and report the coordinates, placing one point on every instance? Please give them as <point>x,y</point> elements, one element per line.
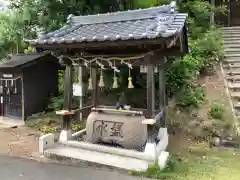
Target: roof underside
<point>21,59</point>
<point>150,23</point>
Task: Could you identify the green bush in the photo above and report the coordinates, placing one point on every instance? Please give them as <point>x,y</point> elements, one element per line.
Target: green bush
<point>190,96</point>
<point>206,50</point>
<point>77,127</point>
<point>171,171</point>
<point>217,111</point>
<point>45,129</point>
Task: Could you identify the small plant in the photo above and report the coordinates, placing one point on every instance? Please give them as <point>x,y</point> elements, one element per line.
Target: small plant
<point>45,129</point>
<point>77,127</point>
<point>171,171</point>
<point>217,111</point>
<point>191,97</point>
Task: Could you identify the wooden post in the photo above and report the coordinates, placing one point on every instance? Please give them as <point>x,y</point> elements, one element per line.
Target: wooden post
<point>150,92</point>
<point>229,13</point>
<point>68,88</point>
<point>162,94</point>
<point>67,119</point>
<point>80,81</point>
<point>66,132</point>
<point>95,87</point>
<point>212,16</point>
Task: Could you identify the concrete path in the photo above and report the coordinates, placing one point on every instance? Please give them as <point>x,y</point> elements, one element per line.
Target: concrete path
<point>12,168</point>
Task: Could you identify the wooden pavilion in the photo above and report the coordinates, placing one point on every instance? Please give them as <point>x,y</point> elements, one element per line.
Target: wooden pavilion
<point>137,37</point>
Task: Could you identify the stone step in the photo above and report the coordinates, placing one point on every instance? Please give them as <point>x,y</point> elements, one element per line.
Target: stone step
<point>229,38</point>
<point>96,157</point>
<point>236,55</point>
<point>231,60</point>
<point>231,35</point>
<point>232,65</point>
<point>232,50</point>
<point>235,95</point>
<point>233,78</point>
<point>231,31</point>
<point>230,28</point>
<point>234,86</point>
<point>233,72</point>
<point>231,42</point>
<point>232,45</point>
<point>237,106</point>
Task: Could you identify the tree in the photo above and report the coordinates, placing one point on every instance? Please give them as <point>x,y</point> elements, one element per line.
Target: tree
<point>11,33</point>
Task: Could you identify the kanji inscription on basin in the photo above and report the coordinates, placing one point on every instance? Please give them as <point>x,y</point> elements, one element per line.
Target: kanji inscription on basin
<point>108,128</point>
<point>117,129</point>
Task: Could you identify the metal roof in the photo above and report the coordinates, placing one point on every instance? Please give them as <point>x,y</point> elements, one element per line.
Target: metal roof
<point>150,23</point>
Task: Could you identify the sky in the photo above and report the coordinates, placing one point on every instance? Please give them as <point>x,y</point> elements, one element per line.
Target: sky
<point>4,3</point>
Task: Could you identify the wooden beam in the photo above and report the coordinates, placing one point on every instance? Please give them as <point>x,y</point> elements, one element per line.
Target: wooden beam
<point>104,44</point>
<point>173,51</point>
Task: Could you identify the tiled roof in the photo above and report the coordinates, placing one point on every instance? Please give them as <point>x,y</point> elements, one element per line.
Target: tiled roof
<point>150,23</point>
<point>22,59</point>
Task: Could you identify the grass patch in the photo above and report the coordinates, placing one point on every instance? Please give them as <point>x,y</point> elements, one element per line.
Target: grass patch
<point>175,166</point>
<point>51,123</point>
<point>78,126</point>
<point>200,163</point>
<point>217,111</point>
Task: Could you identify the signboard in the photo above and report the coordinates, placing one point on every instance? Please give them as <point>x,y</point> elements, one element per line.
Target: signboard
<point>77,90</point>
<point>7,75</point>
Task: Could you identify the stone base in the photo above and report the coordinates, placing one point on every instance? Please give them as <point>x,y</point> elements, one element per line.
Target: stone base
<point>163,159</point>
<point>65,135</point>
<point>45,142</point>
<point>84,156</point>
<point>83,152</point>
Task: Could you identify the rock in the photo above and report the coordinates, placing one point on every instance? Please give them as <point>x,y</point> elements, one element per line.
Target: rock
<point>216,141</point>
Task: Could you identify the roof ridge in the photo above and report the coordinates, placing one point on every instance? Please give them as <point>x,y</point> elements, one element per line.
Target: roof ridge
<point>135,14</point>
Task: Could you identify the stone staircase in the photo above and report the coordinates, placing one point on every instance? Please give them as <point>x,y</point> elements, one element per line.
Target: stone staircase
<point>231,66</point>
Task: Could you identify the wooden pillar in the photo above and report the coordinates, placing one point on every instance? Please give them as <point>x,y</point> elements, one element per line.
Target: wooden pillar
<point>162,94</point>
<point>150,92</point>
<point>68,88</point>
<point>229,14</point>
<point>95,87</point>
<point>66,119</point>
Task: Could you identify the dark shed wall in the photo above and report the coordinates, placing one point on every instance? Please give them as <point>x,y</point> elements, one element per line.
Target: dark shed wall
<point>40,81</point>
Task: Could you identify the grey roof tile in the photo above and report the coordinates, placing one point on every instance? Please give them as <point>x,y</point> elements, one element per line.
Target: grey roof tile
<point>22,59</point>
<point>161,21</point>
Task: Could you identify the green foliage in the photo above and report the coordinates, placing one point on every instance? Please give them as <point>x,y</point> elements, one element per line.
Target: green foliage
<point>29,50</point>
<point>199,15</point>
<point>27,17</point>
<point>190,96</point>
<point>77,127</point>
<point>206,50</point>
<point>171,171</point>
<point>217,111</point>
<point>45,129</point>
<point>209,47</point>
